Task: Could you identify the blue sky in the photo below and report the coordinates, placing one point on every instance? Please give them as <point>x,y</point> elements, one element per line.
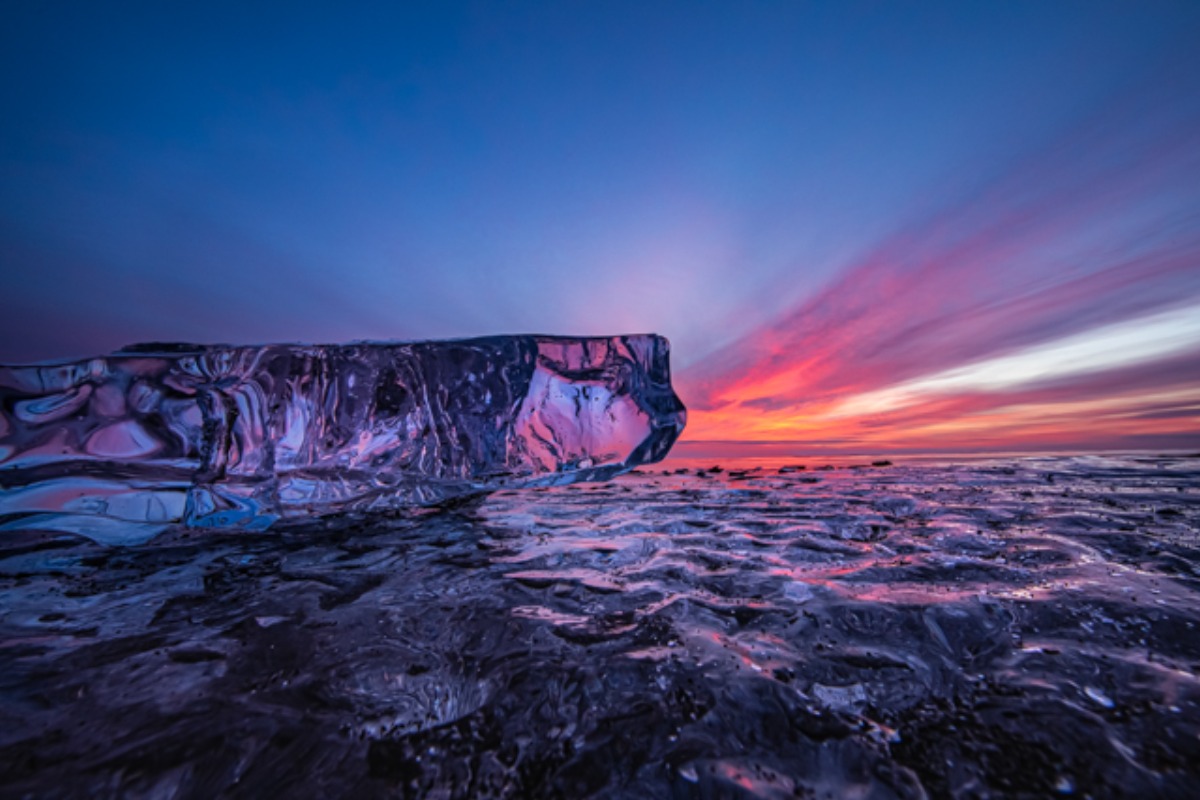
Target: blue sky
<point>703,170</point>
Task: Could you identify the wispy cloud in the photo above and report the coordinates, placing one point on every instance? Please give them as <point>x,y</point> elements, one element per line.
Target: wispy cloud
<point>1105,348</point>
<point>1079,265</point>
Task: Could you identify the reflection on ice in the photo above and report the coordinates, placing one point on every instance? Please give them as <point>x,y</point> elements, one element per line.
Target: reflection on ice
<point>1016,628</point>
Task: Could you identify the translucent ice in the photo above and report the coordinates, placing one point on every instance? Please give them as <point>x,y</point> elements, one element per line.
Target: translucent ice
<point>117,448</point>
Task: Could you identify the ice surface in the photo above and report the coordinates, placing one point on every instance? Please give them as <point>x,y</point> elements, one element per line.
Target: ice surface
<point>120,447</point>
<point>1018,629</point>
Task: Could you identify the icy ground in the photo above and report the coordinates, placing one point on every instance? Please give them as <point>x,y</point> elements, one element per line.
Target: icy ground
<point>1008,628</point>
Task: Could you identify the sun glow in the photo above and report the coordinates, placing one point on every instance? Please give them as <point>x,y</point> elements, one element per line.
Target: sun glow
<point>991,402</point>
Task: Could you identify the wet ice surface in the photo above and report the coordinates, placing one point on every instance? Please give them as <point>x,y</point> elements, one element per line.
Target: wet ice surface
<point>1015,628</point>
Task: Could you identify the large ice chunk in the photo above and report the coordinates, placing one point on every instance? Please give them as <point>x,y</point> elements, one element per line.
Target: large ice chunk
<point>119,447</point>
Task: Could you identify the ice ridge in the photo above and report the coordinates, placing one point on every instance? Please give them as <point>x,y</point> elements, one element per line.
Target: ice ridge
<point>119,447</point>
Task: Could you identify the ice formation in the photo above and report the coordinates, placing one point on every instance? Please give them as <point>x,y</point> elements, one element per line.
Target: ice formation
<point>117,448</point>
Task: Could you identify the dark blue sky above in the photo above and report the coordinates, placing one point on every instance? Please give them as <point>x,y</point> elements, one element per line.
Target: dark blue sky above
<point>305,172</point>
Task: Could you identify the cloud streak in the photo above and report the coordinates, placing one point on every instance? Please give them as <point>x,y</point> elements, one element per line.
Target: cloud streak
<point>1097,350</point>
<point>1080,264</point>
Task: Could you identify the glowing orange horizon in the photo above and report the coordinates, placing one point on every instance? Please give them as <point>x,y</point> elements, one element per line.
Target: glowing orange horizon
<point>974,330</point>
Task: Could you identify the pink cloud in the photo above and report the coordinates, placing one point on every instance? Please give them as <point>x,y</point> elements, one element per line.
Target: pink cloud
<point>1099,228</point>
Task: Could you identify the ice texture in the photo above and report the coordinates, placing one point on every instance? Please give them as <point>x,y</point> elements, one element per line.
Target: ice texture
<point>118,448</point>
<point>1002,628</point>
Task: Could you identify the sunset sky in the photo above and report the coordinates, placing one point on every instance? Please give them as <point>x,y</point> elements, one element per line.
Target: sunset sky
<point>866,227</point>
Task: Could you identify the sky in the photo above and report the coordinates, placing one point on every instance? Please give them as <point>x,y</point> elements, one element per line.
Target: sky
<point>866,227</point>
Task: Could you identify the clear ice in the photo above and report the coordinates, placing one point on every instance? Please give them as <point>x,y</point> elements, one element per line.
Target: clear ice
<point>120,447</point>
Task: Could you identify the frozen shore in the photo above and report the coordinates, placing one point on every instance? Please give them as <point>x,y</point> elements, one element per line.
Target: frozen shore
<point>1017,627</point>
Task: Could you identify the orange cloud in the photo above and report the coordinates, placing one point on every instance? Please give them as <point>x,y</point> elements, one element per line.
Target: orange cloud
<point>1060,307</point>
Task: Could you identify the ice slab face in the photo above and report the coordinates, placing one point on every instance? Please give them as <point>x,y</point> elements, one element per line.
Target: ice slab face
<point>119,447</point>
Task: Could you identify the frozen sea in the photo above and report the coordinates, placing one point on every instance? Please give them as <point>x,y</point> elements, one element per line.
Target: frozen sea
<point>998,627</point>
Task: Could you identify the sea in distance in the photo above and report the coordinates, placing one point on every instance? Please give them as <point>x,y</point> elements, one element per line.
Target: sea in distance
<point>735,627</point>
